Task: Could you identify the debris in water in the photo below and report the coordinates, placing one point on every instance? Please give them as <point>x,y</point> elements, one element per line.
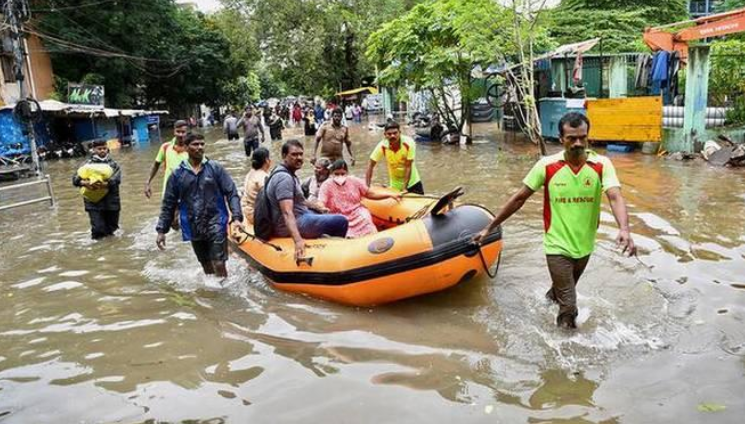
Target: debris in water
<point>489,409</point>
<point>710,407</point>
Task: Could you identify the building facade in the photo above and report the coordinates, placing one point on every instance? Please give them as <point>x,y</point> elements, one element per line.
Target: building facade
<point>37,68</point>
<point>701,8</point>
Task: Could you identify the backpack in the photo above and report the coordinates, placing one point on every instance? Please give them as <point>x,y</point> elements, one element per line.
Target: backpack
<point>263,223</point>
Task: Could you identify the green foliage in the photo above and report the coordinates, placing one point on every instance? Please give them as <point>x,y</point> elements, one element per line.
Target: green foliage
<point>727,77</point>
<point>728,5</point>
<point>176,57</point>
<point>243,90</point>
<point>315,46</point>
<point>620,23</point>
<point>438,43</point>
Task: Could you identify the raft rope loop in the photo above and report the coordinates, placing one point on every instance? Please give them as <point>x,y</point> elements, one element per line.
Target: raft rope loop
<point>486,267</point>
<point>252,236</point>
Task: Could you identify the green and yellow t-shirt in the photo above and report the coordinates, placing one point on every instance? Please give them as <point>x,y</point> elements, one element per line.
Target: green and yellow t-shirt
<point>397,161</point>
<point>571,202</point>
<point>172,155</point>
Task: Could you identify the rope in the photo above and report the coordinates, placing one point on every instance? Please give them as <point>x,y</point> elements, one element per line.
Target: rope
<point>249,235</point>
<point>486,267</point>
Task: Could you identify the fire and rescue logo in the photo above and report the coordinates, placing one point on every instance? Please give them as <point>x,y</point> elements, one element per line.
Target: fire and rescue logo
<point>381,245</point>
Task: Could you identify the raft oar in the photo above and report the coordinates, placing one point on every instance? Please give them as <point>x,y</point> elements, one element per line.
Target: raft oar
<point>252,236</point>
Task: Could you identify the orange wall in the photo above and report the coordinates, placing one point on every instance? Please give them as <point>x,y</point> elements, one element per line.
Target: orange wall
<point>41,68</point>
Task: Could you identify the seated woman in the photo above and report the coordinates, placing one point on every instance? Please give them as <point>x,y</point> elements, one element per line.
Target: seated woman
<point>342,194</point>
<point>255,180</point>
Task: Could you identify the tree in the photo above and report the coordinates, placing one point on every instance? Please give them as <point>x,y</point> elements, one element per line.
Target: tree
<point>316,46</point>
<point>529,38</point>
<point>436,46</point>
<point>620,23</point>
<point>160,55</point>
<point>728,5</point>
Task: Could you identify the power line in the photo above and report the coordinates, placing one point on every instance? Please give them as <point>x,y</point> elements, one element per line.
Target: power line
<point>54,9</point>
<point>92,50</point>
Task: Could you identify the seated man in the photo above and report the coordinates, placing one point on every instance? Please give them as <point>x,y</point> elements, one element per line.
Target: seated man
<point>296,219</point>
<point>312,184</point>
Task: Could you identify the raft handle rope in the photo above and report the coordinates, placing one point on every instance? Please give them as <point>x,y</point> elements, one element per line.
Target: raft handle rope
<point>486,267</point>
<point>252,236</point>
<point>483,260</point>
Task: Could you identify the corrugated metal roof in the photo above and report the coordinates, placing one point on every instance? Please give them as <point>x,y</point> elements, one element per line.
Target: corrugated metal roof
<point>54,106</point>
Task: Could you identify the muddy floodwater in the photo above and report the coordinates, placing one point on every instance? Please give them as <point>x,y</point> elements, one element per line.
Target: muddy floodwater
<point>115,331</point>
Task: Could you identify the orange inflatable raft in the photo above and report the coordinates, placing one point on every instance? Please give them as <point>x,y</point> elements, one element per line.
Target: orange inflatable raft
<point>422,248</point>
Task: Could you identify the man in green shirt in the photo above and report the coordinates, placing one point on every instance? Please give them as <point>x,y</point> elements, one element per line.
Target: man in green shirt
<point>399,152</point>
<point>573,182</point>
<point>172,153</point>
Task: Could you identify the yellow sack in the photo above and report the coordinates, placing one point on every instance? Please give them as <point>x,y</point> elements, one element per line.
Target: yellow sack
<point>95,172</point>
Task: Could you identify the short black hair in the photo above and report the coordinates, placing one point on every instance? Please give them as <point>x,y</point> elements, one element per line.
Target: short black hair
<point>575,120</point>
<point>193,136</point>
<point>392,125</point>
<point>98,143</point>
<point>337,111</point>
<point>180,123</point>
<point>339,164</point>
<point>291,142</point>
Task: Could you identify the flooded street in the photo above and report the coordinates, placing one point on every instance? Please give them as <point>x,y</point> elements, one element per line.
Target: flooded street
<point>117,332</point>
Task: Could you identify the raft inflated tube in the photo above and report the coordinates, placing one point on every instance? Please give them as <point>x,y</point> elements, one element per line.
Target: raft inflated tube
<point>95,172</point>
<point>419,257</point>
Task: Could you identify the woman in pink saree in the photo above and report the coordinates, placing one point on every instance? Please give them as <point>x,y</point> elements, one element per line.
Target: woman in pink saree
<point>343,194</point>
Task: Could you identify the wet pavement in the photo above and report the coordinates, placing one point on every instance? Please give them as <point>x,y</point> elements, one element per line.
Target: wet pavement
<point>115,331</point>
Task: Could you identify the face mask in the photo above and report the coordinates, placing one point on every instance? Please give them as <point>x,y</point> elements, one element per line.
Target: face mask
<point>340,179</point>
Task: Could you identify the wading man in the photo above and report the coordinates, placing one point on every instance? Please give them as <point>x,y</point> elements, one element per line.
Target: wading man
<point>399,152</point>
<point>171,153</point>
<point>253,130</point>
<point>573,181</point>
<point>202,192</point>
<point>332,137</point>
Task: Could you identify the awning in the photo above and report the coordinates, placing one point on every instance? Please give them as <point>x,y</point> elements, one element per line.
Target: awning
<point>372,90</point>
<point>60,108</point>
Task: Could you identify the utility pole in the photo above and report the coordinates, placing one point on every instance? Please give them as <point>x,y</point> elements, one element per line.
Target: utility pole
<point>17,12</point>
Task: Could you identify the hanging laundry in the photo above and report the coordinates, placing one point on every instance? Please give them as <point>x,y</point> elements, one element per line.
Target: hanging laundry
<point>659,72</point>
<point>643,70</point>
<point>672,76</point>
<point>577,71</point>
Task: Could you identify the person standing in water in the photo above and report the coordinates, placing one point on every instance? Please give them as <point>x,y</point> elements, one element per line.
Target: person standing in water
<point>253,130</point>
<point>230,126</point>
<point>573,181</point>
<point>171,153</point>
<point>100,178</point>
<point>332,137</point>
<point>203,192</point>
<point>399,152</point>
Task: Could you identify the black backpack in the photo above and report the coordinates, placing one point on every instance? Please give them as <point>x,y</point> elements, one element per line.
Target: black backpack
<point>263,224</point>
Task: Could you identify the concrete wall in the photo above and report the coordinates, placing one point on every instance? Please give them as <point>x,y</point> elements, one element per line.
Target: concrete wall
<point>673,139</point>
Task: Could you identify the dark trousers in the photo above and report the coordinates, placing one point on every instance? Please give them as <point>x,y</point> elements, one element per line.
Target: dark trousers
<point>250,144</point>
<point>103,223</point>
<point>565,274</point>
<point>233,136</point>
